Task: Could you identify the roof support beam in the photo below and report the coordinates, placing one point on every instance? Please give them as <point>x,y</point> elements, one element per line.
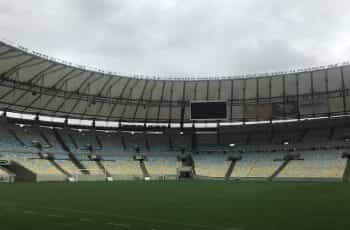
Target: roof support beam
<point>67,77</point>
<point>15,68</point>
<point>11,50</point>
<point>22,95</point>
<point>171,99</point>
<point>10,73</point>
<point>121,95</point>
<point>109,90</point>
<point>207,88</point>
<point>72,93</point>
<point>312,94</point>
<point>150,98</point>
<point>284,97</point>
<point>327,91</point>
<point>141,98</point>
<point>161,100</point>
<point>47,72</point>
<point>219,93</point>
<point>297,89</point>
<point>343,89</point>
<point>129,95</point>
<point>37,98</point>
<point>57,92</point>
<point>183,106</point>
<point>231,100</point>
<point>3,57</point>
<point>105,85</point>
<point>34,79</point>
<point>195,91</point>
<point>94,97</point>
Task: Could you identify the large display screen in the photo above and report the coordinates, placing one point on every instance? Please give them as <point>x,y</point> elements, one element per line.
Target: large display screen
<point>208,110</point>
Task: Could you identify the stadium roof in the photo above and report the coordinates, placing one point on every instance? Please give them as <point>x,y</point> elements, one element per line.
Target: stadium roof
<point>34,83</point>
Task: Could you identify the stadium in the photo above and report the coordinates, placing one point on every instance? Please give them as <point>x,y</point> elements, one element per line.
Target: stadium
<point>269,142</point>
<point>216,115</point>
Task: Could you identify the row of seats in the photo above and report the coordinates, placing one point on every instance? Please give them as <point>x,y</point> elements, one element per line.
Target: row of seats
<point>311,164</point>
<point>257,165</point>
<point>320,164</point>
<point>124,143</point>
<point>123,167</point>
<point>69,167</point>
<point>162,166</point>
<point>39,166</point>
<point>213,165</point>
<point>3,172</point>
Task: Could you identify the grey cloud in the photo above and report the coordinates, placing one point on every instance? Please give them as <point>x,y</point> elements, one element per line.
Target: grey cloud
<point>183,37</point>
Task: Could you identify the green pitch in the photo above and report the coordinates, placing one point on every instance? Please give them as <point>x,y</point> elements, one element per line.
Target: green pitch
<point>175,205</point>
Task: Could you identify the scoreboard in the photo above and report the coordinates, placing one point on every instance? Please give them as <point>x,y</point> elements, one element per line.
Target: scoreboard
<point>208,110</point>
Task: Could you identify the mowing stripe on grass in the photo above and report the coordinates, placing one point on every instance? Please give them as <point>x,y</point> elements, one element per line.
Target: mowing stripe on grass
<point>135,218</point>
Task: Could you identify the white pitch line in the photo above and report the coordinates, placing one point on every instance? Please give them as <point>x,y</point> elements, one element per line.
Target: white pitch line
<point>56,216</point>
<point>147,220</point>
<point>30,212</point>
<point>120,225</point>
<point>136,218</point>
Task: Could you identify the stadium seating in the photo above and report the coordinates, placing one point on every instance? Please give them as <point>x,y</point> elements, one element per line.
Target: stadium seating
<point>316,164</point>
<point>123,168</point>
<point>211,165</point>
<point>93,168</point>
<point>6,139</point>
<point>262,152</point>
<point>69,167</point>
<point>54,145</point>
<point>111,143</point>
<point>159,166</point>
<point>181,141</point>
<point>134,140</point>
<point>44,169</point>
<point>257,165</point>
<point>158,143</point>
<point>5,176</point>
<point>316,135</point>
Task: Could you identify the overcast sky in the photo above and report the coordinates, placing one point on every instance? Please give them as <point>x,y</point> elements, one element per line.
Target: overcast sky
<point>183,37</point>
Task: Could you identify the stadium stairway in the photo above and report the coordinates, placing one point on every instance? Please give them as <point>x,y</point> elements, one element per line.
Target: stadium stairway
<point>144,169</point>
<point>98,141</point>
<point>75,143</point>
<point>22,173</point>
<point>44,137</point>
<point>71,156</point>
<point>54,164</point>
<point>13,133</point>
<point>103,168</point>
<point>230,170</point>
<point>346,175</point>
<point>6,175</point>
<point>279,169</point>
<point>59,168</point>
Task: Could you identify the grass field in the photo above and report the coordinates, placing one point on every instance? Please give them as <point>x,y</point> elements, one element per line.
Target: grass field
<point>174,205</point>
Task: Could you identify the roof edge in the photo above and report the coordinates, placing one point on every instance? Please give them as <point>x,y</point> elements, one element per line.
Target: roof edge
<point>25,50</point>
